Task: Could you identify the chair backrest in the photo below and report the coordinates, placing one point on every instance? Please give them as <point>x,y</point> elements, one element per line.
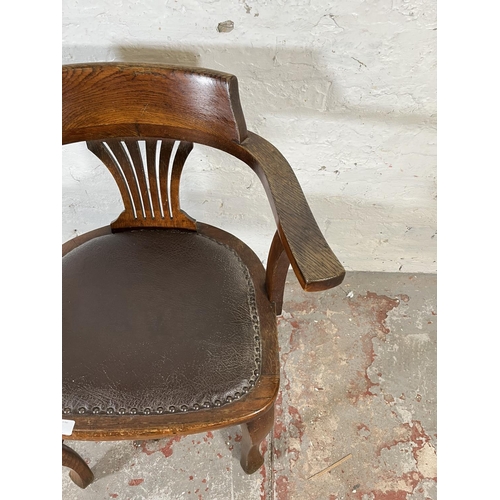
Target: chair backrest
<point>113,106</point>
<point>109,100</point>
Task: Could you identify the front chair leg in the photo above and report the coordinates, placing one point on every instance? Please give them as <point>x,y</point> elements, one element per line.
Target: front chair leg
<point>254,433</point>
<point>80,472</point>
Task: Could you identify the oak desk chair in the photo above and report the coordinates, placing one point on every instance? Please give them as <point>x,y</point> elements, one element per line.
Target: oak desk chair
<point>169,324</point>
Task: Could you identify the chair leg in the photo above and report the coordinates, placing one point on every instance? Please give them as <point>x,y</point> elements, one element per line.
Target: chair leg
<point>277,269</point>
<point>254,433</point>
<point>80,472</point>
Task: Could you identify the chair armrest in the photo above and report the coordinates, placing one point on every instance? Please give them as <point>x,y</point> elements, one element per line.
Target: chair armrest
<point>313,261</point>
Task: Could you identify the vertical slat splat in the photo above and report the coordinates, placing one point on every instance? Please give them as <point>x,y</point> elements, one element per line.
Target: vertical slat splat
<point>148,184</point>
<point>100,150</point>
<point>151,145</point>
<point>165,153</point>
<point>135,154</point>
<point>128,170</point>
<point>180,159</point>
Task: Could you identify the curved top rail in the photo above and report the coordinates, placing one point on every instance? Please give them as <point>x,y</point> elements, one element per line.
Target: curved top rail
<point>102,100</point>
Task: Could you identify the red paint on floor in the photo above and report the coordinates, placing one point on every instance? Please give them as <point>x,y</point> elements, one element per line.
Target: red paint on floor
<point>375,308</point>
<point>263,472</point>
<point>166,450</point>
<point>135,482</point>
<point>282,488</point>
<point>296,421</point>
<point>390,495</point>
<point>279,425</point>
<point>363,430</point>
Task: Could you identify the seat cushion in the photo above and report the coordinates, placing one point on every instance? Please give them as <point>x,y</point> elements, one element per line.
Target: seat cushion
<point>156,321</point>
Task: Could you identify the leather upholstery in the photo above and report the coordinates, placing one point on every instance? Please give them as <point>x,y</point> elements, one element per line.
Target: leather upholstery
<point>156,321</point>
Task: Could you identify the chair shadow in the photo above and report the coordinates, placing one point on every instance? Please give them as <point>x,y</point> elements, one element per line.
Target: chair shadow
<point>113,461</point>
<point>271,79</point>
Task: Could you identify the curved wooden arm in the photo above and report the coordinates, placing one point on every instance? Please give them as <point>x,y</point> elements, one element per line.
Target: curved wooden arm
<point>313,261</point>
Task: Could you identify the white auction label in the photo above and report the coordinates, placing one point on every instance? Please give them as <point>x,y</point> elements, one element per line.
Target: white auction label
<point>67,427</point>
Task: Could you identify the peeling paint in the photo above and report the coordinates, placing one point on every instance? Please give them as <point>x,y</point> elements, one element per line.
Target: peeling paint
<point>135,482</point>
<point>166,450</point>
<point>282,488</point>
<point>263,473</point>
<point>426,461</point>
<point>376,308</point>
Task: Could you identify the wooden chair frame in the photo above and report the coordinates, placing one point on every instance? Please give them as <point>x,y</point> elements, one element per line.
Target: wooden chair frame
<point>111,106</point>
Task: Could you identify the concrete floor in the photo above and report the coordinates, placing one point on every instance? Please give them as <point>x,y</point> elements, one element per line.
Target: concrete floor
<point>358,377</point>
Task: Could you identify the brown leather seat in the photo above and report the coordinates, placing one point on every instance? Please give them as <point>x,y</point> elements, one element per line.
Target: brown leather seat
<point>157,321</point>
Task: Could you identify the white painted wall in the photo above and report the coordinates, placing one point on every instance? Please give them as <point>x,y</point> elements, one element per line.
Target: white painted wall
<point>345,89</point>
